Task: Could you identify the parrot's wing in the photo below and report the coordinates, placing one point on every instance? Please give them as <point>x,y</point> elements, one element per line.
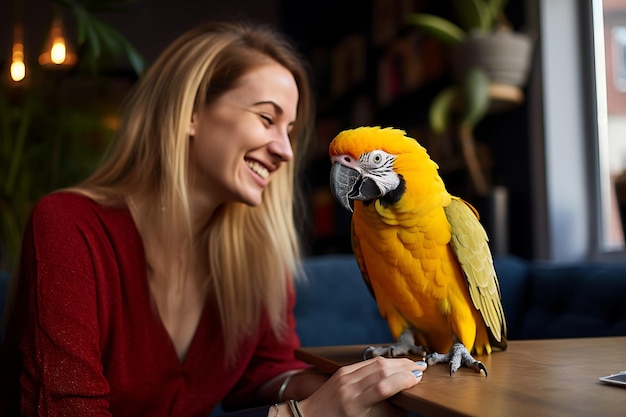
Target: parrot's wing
<point>358,254</point>
<point>470,243</point>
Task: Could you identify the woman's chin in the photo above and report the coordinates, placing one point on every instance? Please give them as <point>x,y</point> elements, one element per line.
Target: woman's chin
<point>252,199</point>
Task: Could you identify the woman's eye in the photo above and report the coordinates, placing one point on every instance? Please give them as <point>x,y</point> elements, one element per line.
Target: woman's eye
<point>267,118</point>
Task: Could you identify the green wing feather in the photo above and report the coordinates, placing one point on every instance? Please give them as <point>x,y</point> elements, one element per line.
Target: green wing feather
<point>471,245</point>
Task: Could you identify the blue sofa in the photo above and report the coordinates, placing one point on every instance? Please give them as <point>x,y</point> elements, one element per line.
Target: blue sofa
<point>541,300</point>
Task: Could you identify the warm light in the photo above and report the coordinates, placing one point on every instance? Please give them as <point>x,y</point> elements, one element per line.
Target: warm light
<point>18,69</point>
<point>57,52</point>
<point>111,122</point>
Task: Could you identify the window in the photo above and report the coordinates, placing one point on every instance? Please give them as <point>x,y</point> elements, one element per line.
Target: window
<point>578,120</point>
<point>609,29</point>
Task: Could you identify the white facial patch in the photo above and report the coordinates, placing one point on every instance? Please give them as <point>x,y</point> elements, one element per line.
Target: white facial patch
<point>378,165</point>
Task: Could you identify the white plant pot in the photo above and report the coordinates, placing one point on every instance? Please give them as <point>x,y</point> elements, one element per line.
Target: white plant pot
<point>506,56</point>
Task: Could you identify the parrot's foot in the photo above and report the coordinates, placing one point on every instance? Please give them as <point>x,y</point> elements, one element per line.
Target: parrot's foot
<point>403,346</point>
<point>457,356</point>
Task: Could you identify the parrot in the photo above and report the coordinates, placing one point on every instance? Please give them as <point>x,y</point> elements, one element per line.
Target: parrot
<point>422,252</point>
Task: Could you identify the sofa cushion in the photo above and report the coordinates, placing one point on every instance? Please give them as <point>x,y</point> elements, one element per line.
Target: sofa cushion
<point>578,300</point>
<point>540,300</point>
<point>512,275</point>
<point>334,306</point>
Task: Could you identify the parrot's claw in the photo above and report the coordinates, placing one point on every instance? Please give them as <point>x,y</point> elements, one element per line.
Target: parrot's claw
<point>457,356</point>
<point>372,351</point>
<point>404,346</point>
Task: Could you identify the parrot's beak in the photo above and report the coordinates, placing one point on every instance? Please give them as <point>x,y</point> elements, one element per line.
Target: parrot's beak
<point>342,181</point>
<point>348,185</point>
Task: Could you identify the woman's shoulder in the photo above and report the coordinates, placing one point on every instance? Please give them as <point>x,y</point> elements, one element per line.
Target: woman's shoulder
<point>70,208</point>
<point>63,223</point>
<point>64,200</point>
<point>71,202</point>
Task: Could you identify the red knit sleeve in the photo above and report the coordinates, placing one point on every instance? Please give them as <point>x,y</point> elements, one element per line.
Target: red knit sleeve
<point>62,371</point>
<point>272,357</point>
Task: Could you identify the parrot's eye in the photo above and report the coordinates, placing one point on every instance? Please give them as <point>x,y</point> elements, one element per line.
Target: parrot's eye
<point>377,157</point>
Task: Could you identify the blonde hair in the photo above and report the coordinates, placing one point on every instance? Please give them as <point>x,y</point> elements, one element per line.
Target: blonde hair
<point>253,252</point>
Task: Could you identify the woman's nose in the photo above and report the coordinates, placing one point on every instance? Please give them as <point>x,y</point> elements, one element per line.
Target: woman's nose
<point>281,147</point>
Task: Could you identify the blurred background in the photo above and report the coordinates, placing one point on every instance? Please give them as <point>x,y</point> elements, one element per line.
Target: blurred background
<point>550,150</point>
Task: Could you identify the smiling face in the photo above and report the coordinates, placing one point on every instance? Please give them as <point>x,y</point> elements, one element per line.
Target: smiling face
<point>239,141</point>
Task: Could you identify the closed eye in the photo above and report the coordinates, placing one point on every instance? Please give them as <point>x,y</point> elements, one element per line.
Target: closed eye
<point>267,119</point>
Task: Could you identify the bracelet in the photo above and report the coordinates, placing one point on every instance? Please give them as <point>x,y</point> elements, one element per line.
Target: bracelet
<point>293,407</point>
<point>283,386</point>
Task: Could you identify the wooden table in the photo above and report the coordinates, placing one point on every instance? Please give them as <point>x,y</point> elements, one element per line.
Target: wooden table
<point>556,377</point>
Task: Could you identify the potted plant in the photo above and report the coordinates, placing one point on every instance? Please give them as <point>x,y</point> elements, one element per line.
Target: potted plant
<point>53,127</point>
<point>489,65</point>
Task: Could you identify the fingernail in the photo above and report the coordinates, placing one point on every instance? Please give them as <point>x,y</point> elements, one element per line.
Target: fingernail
<point>421,363</point>
<point>417,374</point>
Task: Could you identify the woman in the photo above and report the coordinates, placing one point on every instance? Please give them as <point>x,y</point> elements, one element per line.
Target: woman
<point>162,284</point>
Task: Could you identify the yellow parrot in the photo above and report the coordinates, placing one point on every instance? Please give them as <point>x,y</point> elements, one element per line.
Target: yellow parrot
<point>423,253</point>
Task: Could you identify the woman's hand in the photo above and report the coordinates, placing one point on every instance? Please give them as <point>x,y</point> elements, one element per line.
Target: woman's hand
<point>362,388</point>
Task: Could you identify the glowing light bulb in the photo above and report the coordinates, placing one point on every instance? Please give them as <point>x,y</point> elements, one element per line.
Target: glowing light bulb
<point>18,71</point>
<point>58,52</point>
<point>18,68</point>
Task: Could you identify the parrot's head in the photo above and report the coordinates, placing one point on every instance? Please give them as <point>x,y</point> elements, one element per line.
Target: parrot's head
<point>368,164</point>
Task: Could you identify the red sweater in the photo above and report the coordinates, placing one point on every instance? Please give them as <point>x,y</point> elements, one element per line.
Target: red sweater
<point>85,340</point>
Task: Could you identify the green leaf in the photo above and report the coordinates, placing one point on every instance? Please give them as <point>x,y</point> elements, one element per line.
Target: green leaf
<point>92,40</point>
<point>496,7</point>
<point>83,24</point>
<point>134,57</point>
<point>107,36</point>
<point>473,14</point>
<point>441,107</point>
<point>438,27</point>
<point>117,45</point>
<point>99,40</point>
<point>475,90</point>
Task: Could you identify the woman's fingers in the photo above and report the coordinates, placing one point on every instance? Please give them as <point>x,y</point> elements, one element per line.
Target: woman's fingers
<point>376,388</point>
<point>381,365</point>
<point>382,378</point>
<point>361,388</point>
